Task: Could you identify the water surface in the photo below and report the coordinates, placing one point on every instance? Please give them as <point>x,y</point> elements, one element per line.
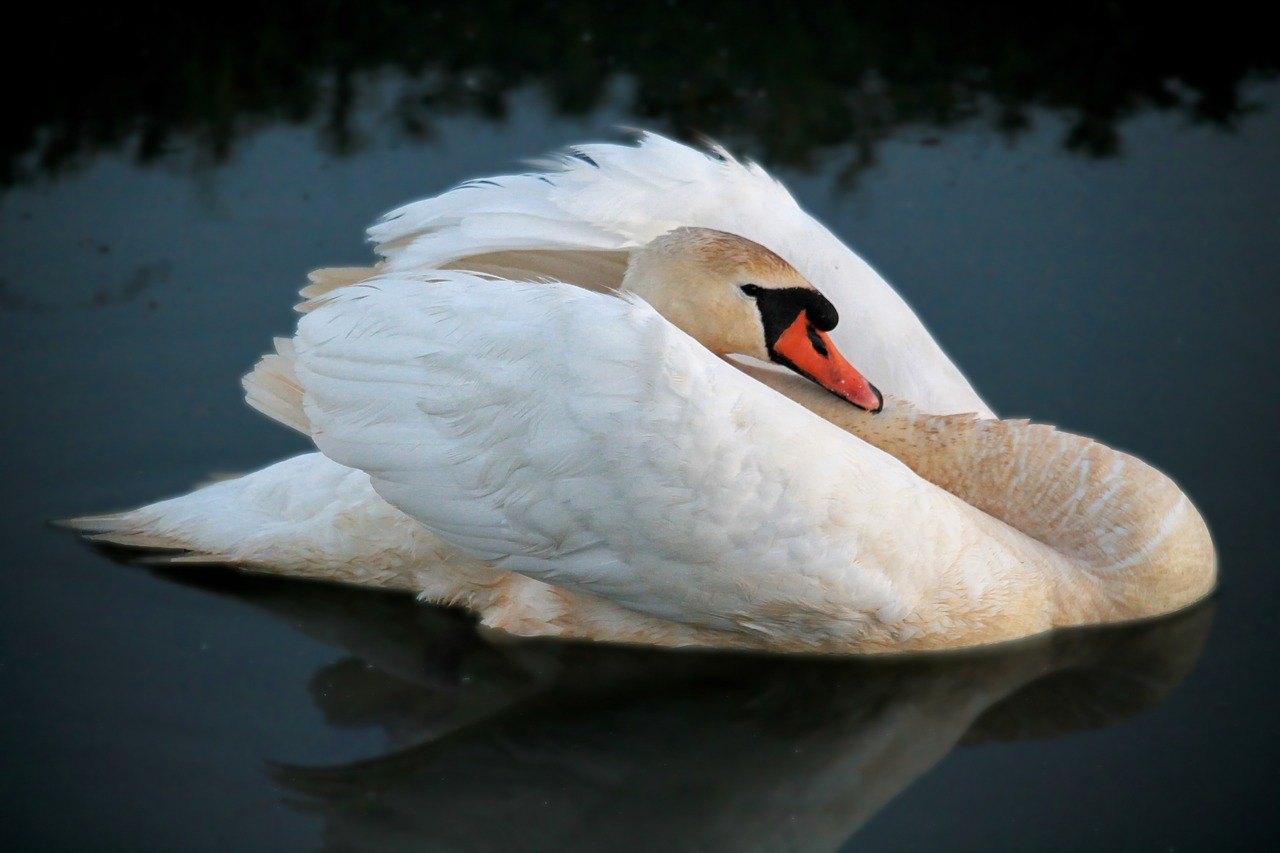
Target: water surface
<point>1094,242</point>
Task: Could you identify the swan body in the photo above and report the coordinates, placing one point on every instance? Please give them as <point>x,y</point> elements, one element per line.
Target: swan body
<point>500,426</point>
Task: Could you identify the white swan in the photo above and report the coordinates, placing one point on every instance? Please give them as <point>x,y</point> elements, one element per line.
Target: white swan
<point>566,460</point>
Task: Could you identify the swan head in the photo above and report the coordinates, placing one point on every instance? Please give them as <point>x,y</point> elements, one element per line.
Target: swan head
<point>736,297</point>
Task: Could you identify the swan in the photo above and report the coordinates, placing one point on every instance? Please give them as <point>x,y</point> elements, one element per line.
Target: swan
<point>617,400</point>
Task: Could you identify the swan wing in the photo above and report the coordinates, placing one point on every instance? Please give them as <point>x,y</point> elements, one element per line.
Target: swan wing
<point>577,220</point>
<point>581,439</point>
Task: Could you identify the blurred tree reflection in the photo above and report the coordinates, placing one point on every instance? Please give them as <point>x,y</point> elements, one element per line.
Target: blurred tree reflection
<point>502,744</point>
<point>788,79</point>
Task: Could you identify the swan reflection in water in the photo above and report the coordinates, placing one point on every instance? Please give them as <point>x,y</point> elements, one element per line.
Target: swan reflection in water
<point>547,745</point>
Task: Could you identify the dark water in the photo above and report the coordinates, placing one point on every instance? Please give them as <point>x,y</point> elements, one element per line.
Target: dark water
<point>1082,206</point>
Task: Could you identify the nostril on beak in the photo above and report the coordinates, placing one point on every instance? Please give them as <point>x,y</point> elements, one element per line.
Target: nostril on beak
<point>818,344</point>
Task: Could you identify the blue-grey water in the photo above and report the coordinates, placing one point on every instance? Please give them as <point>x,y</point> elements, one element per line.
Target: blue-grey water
<point>1091,229</point>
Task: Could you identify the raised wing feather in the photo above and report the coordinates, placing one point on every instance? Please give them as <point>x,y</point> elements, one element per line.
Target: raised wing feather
<point>577,221</point>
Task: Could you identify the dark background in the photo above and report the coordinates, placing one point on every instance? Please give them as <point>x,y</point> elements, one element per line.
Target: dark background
<point>1079,200</point>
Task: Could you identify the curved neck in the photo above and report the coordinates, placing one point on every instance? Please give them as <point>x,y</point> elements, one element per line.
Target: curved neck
<point>1132,545</point>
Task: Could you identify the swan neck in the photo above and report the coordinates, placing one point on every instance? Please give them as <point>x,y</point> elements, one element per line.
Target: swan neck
<point>1118,539</point>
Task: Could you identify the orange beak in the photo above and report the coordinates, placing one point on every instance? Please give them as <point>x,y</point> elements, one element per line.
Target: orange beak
<point>809,352</point>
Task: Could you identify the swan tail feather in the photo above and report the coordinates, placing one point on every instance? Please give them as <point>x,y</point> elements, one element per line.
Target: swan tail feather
<point>122,529</point>
<point>322,281</point>
<point>272,388</point>
<point>306,516</point>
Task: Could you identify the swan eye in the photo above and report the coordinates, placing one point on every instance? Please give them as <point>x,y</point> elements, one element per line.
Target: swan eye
<point>752,290</point>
